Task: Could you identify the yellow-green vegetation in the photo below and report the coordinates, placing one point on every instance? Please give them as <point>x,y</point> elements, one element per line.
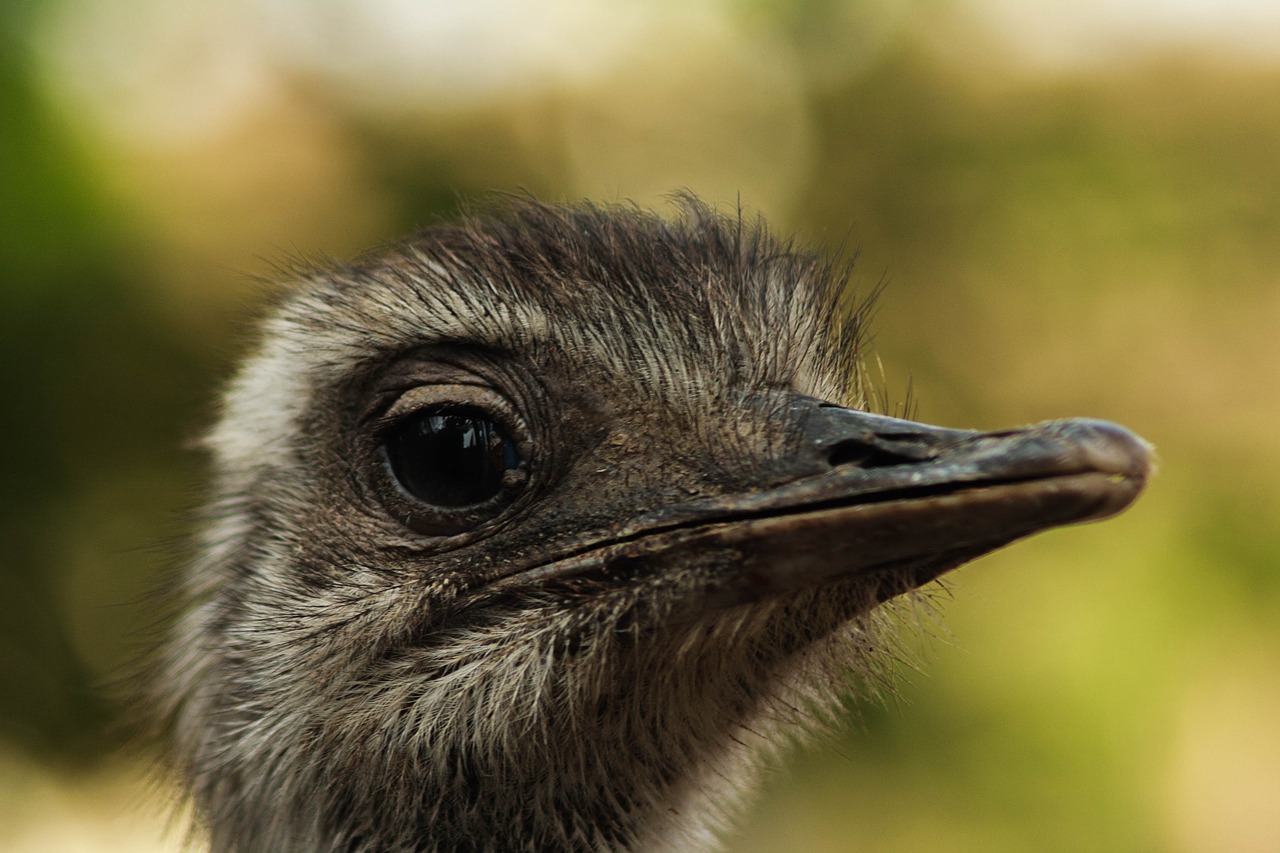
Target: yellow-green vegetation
<point>1101,240</point>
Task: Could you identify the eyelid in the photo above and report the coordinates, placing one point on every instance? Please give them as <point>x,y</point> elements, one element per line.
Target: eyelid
<point>458,393</point>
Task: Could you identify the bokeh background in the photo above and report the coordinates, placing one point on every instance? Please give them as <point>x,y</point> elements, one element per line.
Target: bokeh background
<point>1076,204</point>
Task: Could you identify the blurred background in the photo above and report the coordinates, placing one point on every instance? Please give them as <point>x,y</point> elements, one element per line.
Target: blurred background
<point>1076,204</point>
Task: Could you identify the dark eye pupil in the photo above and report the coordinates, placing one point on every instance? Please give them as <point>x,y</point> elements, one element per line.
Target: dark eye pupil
<point>451,457</point>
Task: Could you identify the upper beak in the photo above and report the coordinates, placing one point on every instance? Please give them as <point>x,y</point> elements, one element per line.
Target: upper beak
<point>890,501</point>
<point>876,456</point>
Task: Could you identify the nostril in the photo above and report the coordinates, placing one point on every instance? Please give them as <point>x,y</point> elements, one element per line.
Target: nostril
<point>854,452</point>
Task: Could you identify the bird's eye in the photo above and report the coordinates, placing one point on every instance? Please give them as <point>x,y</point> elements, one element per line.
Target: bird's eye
<point>451,457</point>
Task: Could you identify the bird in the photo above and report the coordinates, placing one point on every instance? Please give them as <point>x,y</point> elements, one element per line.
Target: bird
<point>547,528</point>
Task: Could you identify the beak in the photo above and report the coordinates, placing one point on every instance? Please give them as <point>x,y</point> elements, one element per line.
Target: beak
<point>892,502</point>
<point>902,502</point>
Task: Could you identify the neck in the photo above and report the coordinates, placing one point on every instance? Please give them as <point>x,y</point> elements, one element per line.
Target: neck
<point>636,740</point>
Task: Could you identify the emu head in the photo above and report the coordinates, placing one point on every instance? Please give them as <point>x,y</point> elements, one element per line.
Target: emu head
<point>535,532</point>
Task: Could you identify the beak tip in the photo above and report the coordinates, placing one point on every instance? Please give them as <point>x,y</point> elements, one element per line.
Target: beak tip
<point>1109,448</point>
<point>1123,458</point>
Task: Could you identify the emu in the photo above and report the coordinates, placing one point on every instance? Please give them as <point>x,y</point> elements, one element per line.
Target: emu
<point>540,530</point>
